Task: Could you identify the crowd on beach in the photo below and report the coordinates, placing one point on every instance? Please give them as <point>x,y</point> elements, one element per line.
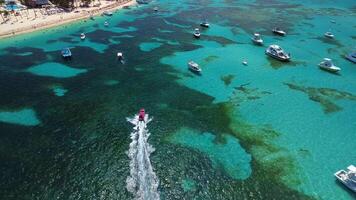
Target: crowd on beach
<point>28,19</point>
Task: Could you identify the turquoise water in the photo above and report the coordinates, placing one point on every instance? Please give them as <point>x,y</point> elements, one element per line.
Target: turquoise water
<point>266,130</point>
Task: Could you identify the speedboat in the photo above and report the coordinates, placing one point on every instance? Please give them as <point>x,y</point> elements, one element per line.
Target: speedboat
<point>155,9</point>
<point>141,115</point>
<point>279,31</point>
<point>348,178</point>
<point>106,23</point>
<point>120,56</point>
<point>66,53</point>
<point>244,62</point>
<point>257,39</point>
<point>277,52</point>
<point>329,35</point>
<point>82,36</point>
<point>351,57</point>
<point>205,24</point>
<point>328,65</point>
<point>194,67</point>
<point>107,13</point>
<point>196,33</point>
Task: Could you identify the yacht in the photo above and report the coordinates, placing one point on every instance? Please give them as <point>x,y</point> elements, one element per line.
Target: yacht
<point>348,178</point>
<point>82,36</point>
<point>257,39</point>
<point>193,66</point>
<point>197,33</point>
<point>328,65</point>
<point>107,13</point>
<point>329,35</point>
<point>66,53</point>
<point>205,24</point>
<point>351,57</point>
<point>279,31</point>
<point>277,52</point>
<point>106,23</point>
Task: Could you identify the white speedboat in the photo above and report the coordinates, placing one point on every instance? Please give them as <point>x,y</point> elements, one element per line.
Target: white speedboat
<point>193,66</point>
<point>106,23</point>
<point>196,33</point>
<point>205,24</point>
<point>277,52</point>
<point>244,62</point>
<point>329,35</point>
<point>348,178</point>
<point>256,38</point>
<point>155,9</point>
<point>107,13</point>
<point>82,36</point>
<point>279,31</point>
<point>328,65</point>
<point>120,57</point>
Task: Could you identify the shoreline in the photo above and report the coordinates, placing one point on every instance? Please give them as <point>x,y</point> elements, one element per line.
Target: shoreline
<point>58,19</point>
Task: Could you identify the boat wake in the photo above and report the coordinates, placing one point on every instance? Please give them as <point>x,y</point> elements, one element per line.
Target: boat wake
<point>142,182</point>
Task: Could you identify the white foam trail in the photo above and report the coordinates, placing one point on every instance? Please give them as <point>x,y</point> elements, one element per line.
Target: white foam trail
<point>142,182</point>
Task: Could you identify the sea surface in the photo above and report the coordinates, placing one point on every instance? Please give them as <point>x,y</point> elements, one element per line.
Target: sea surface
<point>265,130</point>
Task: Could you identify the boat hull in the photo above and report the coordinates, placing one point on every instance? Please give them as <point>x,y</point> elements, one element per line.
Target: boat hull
<point>346,183</point>
<point>350,58</point>
<point>277,57</point>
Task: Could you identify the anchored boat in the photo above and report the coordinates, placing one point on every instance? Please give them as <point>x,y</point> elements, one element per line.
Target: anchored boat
<point>329,35</point>
<point>279,31</point>
<point>348,178</point>
<point>194,67</point>
<point>82,36</point>
<point>66,53</point>
<point>196,33</point>
<point>256,38</point>
<point>351,57</point>
<point>277,52</point>
<point>328,65</point>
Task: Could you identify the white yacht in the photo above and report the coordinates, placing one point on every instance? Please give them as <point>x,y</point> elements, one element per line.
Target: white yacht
<point>205,24</point>
<point>329,35</point>
<point>196,33</point>
<point>257,39</point>
<point>328,65</point>
<point>277,52</point>
<point>82,36</point>
<point>279,31</point>
<point>193,66</point>
<point>348,178</point>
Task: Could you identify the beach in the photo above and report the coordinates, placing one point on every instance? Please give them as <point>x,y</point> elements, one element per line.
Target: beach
<point>36,19</point>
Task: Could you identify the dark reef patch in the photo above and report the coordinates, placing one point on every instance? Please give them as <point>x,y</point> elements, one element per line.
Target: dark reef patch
<point>227,79</point>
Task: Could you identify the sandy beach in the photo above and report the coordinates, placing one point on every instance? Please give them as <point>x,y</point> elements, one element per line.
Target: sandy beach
<point>38,19</point>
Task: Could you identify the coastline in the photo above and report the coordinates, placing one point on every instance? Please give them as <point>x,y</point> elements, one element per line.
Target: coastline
<point>59,19</point>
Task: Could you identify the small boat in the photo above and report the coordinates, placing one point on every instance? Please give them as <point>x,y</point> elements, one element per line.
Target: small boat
<point>155,9</point>
<point>348,178</point>
<point>82,36</point>
<point>194,67</point>
<point>196,33</point>
<point>277,52</point>
<point>257,39</point>
<point>66,53</point>
<point>244,62</point>
<point>141,115</point>
<point>279,31</point>
<point>107,13</point>
<point>351,57</point>
<point>329,35</point>
<point>328,65</point>
<point>106,23</point>
<point>205,24</point>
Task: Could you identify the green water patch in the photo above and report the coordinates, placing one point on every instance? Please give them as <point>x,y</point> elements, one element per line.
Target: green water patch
<point>243,93</point>
<point>56,70</point>
<point>227,79</point>
<point>276,64</point>
<point>188,185</point>
<point>149,46</point>
<point>25,117</point>
<point>331,41</point>
<point>229,155</point>
<point>59,91</point>
<point>326,97</point>
<point>111,82</point>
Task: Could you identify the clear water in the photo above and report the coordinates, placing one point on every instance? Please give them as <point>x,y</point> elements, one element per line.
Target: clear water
<point>268,130</point>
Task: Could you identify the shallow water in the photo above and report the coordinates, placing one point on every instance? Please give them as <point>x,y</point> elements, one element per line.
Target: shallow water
<point>266,130</point>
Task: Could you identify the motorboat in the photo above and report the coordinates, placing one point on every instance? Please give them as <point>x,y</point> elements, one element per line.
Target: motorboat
<point>106,23</point>
<point>155,9</point>
<point>329,35</point>
<point>244,62</point>
<point>205,24</point>
<point>194,67</point>
<point>196,33</point>
<point>279,31</point>
<point>277,52</point>
<point>141,115</point>
<point>107,13</point>
<point>82,36</point>
<point>347,177</point>
<point>351,57</point>
<point>257,39</point>
<point>328,65</point>
<point>66,53</point>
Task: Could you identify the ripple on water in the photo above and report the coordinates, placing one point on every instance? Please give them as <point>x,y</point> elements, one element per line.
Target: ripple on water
<point>234,160</point>
<point>56,70</point>
<point>25,117</point>
<point>149,46</point>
